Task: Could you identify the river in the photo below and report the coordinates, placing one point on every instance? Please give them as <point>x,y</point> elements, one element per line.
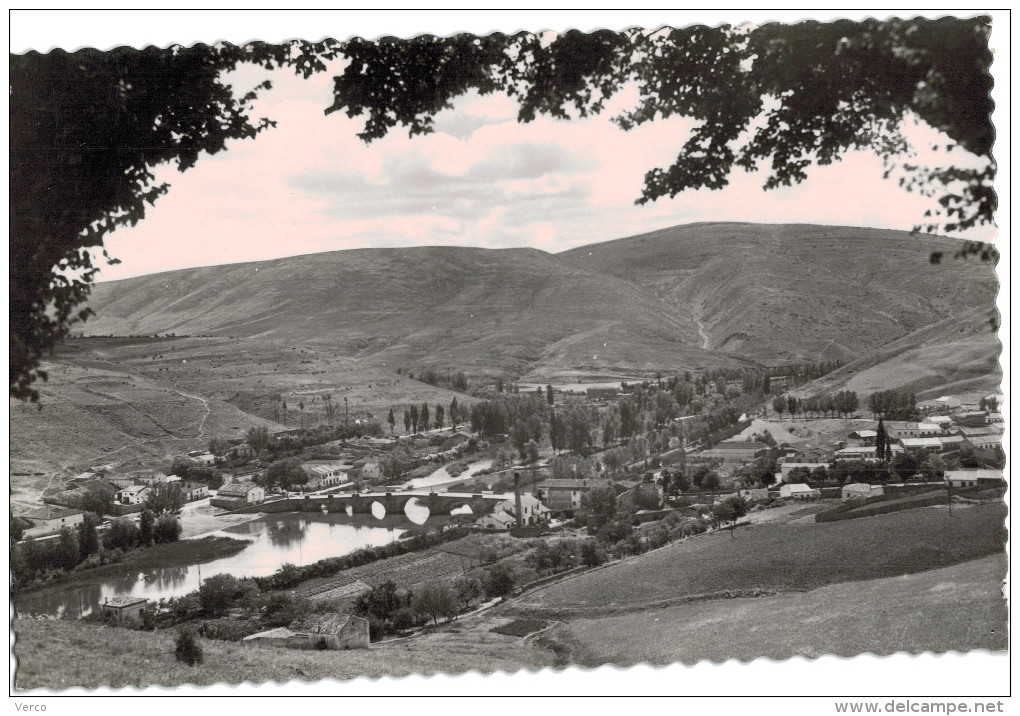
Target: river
<point>297,538</point>
<point>441,476</point>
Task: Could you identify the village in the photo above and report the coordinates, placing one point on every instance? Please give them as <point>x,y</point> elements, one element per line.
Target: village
<point>490,521</point>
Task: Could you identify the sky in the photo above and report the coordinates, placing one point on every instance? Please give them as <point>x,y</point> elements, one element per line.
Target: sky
<point>482,179</point>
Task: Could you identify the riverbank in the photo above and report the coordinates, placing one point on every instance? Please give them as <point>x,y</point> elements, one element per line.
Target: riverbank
<point>173,554</point>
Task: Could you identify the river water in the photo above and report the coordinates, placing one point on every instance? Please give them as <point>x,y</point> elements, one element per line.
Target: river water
<point>274,540</point>
<point>441,476</point>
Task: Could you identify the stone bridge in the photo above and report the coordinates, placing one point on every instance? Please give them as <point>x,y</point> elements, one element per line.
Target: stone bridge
<point>392,502</point>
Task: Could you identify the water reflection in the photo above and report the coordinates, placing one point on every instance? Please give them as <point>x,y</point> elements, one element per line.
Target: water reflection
<point>285,533</point>
<point>416,511</point>
<point>296,538</point>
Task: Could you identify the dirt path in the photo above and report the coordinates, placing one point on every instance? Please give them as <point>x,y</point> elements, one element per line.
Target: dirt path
<point>205,406</point>
<point>701,332</point>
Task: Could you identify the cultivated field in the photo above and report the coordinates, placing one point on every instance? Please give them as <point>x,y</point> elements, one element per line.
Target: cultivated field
<point>779,557</point>
<point>956,608</point>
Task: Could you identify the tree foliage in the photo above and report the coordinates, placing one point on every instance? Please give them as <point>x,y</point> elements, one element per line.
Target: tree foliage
<point>88,128</point>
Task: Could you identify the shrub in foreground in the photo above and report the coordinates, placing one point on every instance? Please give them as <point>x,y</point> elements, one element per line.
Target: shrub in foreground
<point>188,649</point>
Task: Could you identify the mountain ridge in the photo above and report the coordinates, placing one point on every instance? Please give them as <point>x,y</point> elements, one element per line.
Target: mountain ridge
<point>763,294</point>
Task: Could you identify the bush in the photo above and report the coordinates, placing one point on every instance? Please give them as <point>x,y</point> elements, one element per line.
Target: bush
<point>166,529</point>
<point>188,649</point>
<point>591,554</point>
<point>122,535</point>
<point>499,582</point>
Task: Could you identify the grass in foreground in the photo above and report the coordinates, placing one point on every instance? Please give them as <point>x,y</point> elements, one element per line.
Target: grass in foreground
<point>784,558</point>
<point>958,608</point>
<point>64,654</point>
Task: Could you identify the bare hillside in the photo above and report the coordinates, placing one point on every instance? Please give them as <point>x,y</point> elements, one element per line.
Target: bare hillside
<point>687,297</point>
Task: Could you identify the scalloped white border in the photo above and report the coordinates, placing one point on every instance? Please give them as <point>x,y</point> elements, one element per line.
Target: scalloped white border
<point>977,673</point>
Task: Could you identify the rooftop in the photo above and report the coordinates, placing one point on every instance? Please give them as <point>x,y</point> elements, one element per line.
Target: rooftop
<point>236,489</point>
<point>322,623</point>
<point>50,512</point>
<point>564,485</point>
<point>123,601</point>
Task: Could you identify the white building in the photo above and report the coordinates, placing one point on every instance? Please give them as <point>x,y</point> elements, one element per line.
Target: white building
<point>798,490</point>
<point>532,511</point>
<point>861,490</point>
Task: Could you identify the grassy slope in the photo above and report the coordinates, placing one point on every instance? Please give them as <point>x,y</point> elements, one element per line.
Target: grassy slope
<point>127,401</point>
<point>62,654</point>
<point>783,557</point>
<point>956,355</point>
<point>882,616</point>
<point>768,292</point>
<point>796,292</point>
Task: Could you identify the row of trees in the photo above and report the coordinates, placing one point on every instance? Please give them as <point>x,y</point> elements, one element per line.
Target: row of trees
<point>894,405</point>
<point>844,403</point>
<point>81,547</point>
<point>418,419</point>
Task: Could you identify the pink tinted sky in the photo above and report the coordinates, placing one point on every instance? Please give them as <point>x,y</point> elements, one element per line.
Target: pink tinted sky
<point>482,179</point>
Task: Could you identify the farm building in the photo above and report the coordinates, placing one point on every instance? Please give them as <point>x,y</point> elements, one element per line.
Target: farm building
<point>643,496</point>
<point>898,429</point>
<point>336,631</point>
<point>861,438</point>
<point>561,495</point>
<point>971,419</point>
<point>120,609</point>
<point>861,490</point>
<point>973,478</point>
<point>943,421</point>
<point>736,450</point>
<point>237,495</point>
<point>134,495</point>
<point>798,490</point>
<point>203,457</point>
<point>49,519</point>
<point>985,438</point>
<point>955,442</point>
<point>78,490</point>
<point>532,510</point>
<point>497,521</point>
<point>858,452</point>
<point>921,446</point>
<point>194,491</point>
<point>323,475</point>
<point>372,470</point>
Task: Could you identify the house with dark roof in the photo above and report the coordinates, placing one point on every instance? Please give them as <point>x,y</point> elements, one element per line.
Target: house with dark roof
<point>237,495</point>
<point>121,609</point>
<point>49,519</point>
<point>563,495</point>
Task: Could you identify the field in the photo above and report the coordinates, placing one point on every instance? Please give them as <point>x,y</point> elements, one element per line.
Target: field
<point>62,654</point>
<point>881,616</point>
<point>791,557</point>
<point>407,571</point>
<point>136,402</point>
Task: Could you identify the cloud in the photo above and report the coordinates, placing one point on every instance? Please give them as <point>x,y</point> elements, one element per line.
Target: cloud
<point>482,179</point>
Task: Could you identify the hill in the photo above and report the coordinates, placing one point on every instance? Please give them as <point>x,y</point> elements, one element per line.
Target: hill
<point>957,355</point>
<point>687,297</point>
<point>786,293</point>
